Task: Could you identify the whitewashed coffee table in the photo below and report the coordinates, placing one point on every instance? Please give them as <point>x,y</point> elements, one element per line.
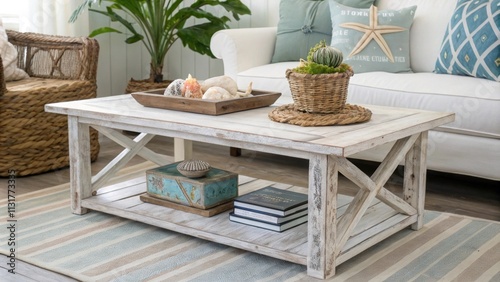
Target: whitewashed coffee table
<point>334,233</point>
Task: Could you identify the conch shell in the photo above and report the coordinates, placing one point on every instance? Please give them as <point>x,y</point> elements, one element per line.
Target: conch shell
<point>223,81</point>
<point>175,88</point>
<point>217,93</point>
<point>192,89</point>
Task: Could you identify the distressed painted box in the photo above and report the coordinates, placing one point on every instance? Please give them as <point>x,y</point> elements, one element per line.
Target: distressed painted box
<point>217,187</point>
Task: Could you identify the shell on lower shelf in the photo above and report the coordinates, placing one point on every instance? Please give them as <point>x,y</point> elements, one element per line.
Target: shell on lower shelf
<point>193,168</point>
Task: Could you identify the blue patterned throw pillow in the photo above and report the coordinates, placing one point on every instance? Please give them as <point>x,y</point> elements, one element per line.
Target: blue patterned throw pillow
<point>471,44</point>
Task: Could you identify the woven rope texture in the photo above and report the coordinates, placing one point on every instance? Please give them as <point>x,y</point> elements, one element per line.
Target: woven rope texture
<point>60,69</point>
<point>319,93</point>
<point>348,115</point>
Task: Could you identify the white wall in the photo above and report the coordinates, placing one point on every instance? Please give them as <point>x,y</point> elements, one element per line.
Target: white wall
<point>118,62</point>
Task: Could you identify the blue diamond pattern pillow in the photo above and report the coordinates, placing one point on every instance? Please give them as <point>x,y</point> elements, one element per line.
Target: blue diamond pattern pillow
<point>471,44</point>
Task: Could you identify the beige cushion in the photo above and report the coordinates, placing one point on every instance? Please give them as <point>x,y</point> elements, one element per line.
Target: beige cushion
<point>9,56</point>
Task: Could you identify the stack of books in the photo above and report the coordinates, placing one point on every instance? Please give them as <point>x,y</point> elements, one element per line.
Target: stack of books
<point>270,208</point>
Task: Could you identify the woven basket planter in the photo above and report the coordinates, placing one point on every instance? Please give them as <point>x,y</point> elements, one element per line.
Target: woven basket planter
<point>33,141</point>
<point>61,69</point>
<point>145,85</point>
<point>319,93</point>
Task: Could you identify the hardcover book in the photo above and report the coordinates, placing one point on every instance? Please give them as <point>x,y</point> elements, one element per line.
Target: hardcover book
<point>267,217</point>
<point>272,200</point>
<point>266,225</point>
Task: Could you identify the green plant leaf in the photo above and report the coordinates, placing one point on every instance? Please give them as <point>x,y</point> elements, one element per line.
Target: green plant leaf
<point>79,10</point>
<point>197,37</point>
<point>114,17</point>
<point>133,39</point>
<point>101,30</point>
<point>236,7</point>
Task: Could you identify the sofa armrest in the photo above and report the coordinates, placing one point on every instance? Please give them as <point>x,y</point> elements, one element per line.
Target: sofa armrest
<point>243,48</point>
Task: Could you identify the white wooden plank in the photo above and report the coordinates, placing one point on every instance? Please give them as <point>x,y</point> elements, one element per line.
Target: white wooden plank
<point>391,226</point>
<point>122,185</point>
<point>190,126</point>
<point>149,213</point>
<point>242,179</point>
<point>80,172</point>
<point>322,221</point>
<point>254,185</point>
<point>115,195</point>
<point>353,173</point>
<point>183,149</point>
<point>126,142</point>
<point>221,225</point>
<point>395,202</point>
<point>357,141</point>
<point>116,56</point>
<point>415,177</point>
<point>120,161</point>
<point>289,245</point>
<point>374,215</point>
<point>392,160</point>
<point>364,198</point>
<point>127,203</point>
<point>380,115</point>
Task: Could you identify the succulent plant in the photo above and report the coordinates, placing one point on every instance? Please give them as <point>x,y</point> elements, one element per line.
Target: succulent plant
<point>329,56</point>
<point>323,59</point>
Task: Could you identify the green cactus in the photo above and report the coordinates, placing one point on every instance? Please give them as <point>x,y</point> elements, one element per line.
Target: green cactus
<point>322,59</point>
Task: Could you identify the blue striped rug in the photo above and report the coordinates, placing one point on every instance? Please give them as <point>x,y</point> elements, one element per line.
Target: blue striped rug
<point>100,247</point>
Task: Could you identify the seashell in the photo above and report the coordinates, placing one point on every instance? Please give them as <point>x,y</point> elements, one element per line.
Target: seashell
<point>175,88</point>
<point>247,93</point>
<point>223,81</point>
<point>192,88</point>
<point>217,93</point>
<point>193,168</point>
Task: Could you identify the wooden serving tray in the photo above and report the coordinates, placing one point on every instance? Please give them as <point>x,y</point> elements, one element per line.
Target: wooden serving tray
<point>156,99</point>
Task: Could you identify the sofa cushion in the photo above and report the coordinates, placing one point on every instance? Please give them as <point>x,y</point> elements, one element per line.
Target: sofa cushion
<point>474,101</point>
<point>373,40</point>
<point>427,30</point>
<point>269,78</point>
<point>471,45</point>
<point>302,24</point>
<point>9,58</point>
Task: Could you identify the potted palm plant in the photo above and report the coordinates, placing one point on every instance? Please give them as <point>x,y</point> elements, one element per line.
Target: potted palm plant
<point>158,24</point>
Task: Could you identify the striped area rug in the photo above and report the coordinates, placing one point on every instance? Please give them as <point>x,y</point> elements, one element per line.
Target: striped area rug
<point>100,247</point>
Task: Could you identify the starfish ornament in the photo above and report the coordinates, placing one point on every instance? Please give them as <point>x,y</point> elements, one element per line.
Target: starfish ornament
<point>373,32</point>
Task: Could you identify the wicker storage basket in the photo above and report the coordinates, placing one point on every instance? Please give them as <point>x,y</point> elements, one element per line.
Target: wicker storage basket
<point>144,85</point>
<point>319,93</point>
<point>61,69</point>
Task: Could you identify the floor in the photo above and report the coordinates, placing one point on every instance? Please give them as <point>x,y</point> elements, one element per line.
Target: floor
<point>445,192</point>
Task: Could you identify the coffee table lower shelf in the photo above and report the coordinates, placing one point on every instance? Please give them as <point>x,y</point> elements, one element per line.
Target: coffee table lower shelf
<point>122,199</point>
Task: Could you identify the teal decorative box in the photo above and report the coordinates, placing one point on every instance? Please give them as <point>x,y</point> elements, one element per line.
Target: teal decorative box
<point>215,188</point>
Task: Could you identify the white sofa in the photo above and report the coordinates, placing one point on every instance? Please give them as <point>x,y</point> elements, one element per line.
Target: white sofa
<point>468,146</point>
